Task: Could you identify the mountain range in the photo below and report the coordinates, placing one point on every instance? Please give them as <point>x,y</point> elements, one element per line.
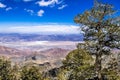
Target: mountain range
<point>12,37</point>
<point>37,48</point>
<point>53,56</point>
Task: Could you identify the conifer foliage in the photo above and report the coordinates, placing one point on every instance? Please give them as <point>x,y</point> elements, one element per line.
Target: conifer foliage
<point>101,32</point>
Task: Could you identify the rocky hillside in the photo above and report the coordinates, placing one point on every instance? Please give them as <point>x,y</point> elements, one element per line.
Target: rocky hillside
<point>54,56</point>
<point>11,52</point>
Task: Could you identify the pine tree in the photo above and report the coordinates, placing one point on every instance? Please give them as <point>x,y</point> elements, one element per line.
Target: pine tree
<point>5,69</point>
<point>15,72</point>
<point>77,65</point>
<point>101,32</point>
<point>112,70</point>
<point>30,73</point>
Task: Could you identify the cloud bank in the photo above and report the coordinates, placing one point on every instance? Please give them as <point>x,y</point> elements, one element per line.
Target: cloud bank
<point>42,29</point>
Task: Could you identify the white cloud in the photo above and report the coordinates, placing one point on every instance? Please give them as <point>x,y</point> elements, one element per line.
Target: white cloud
<point>43,29</point>
<point>9,8</point>
<point>40,12</point>
<point>2,5</point>
<point>63,6</point>
<point>29,11</point>
<point>47,3</point>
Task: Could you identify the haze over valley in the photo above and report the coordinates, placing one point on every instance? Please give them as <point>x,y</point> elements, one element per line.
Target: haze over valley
<point>21,48</point>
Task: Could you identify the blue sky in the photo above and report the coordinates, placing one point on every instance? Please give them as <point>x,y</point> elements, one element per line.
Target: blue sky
<point>54,11</point>
<point>31,13</point>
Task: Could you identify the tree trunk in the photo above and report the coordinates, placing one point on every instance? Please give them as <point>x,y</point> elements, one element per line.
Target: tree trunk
<point>98,66</point>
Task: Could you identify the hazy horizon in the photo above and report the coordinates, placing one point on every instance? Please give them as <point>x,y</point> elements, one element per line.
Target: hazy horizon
<point>41,29</point>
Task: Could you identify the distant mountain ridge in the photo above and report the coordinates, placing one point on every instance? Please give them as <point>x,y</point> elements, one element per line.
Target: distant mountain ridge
<point>7,51</point>
<point>9,37</point>
<point>52,56</point>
